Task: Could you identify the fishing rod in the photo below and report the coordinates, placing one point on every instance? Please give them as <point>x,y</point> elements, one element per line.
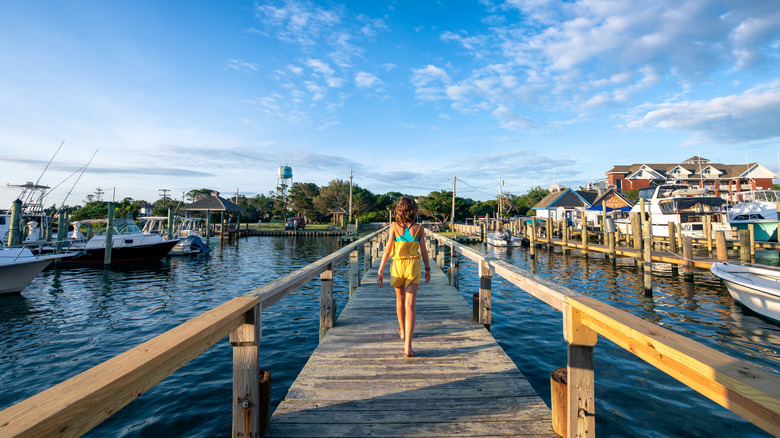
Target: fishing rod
<point>84,169</point>
<point>30,194</point>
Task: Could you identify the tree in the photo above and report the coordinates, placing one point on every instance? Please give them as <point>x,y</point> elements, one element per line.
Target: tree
<point>437,205</point>
<point>198,194</point>
<point>335,194</point>
<point>302,196</point>
<point>91,210</point>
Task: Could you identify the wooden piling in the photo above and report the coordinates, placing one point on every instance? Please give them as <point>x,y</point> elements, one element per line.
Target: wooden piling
<point>720,246</point>
<point>366,257</point>
<point>688,258</point>
<point>454,269</point>
<point>752,234</point>
<point>708,232</point>
<point>647,259</point>
<point>109,234</point>
<point>672,238</point>
<point>584,234</point>
<point>744,246</point>
<point>558,398</point>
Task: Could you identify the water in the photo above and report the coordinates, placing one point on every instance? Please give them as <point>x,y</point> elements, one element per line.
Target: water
<point>632,397</point>
<point>69,320</point>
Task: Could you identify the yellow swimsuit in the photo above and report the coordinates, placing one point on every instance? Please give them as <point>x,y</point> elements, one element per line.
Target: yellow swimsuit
<point>405,268</point>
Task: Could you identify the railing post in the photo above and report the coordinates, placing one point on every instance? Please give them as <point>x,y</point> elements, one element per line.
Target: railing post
<point>440,256</point>
<point>246,378</point>
<point>485,286</point>
<point>366,257</point>
<point>327,311</point>
<point>580,406</point>
<point>354,277</point>
<point>454,268</point>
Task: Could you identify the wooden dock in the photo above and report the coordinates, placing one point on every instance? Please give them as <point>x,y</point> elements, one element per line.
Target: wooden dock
<point>459,383</point>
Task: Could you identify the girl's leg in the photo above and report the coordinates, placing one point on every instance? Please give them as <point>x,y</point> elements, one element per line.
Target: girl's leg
<point>399,310</point>
<point>410,300</point>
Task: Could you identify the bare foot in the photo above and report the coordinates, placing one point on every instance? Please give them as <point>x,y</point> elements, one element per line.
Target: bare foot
<point>411,352</point>
<point>400,333</point>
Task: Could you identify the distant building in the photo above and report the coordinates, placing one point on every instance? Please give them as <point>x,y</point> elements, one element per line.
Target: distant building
<point>560,202</point>
<point>696,171</point>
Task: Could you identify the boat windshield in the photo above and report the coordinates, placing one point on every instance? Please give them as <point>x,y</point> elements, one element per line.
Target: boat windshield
<point>122,226</point>
<point>759,196</point>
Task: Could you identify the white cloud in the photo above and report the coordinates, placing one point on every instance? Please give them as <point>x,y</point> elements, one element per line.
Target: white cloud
<point>749,116</point>
<point>429,82</point>
<point>366,80</point>
<point>241,65</point>
<point>510,120</point>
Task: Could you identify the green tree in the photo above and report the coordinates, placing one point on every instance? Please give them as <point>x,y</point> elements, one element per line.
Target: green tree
<point>302,196</point>
<point>198,194</point>
<point>91,210</point>
<point>335,194</point>
<point>437,205</point>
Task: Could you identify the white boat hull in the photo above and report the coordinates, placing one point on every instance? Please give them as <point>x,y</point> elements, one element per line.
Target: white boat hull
<point>497,240</point>
<point>756,288</point>
<point>19,267</point>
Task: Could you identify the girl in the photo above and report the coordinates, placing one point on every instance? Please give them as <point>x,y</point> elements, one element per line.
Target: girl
<point>407,245</point>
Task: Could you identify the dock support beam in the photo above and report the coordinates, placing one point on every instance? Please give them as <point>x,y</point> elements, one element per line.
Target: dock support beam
<point>245,340</point>
<point>581,419</point>
<point>327,303</point>
<point>485,291</point>
<point>454,268</point>
<point>109,234</point>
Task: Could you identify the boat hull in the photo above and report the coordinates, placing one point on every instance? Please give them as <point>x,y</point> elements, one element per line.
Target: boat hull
<point>15,277</point>
<point>763,231</point>
<point>135,253</point>
<point>758,289</point>
<point>495,240</point>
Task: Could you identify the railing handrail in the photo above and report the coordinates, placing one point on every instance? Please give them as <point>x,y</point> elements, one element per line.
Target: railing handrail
<point>75,406</point>
<point>737,385</point>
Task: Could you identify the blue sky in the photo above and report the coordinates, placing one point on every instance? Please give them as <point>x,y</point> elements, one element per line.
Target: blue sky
<point>183,95</point>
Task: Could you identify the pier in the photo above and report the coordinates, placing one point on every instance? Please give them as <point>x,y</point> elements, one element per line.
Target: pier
<point>459,383</point>
<point>358,382</point>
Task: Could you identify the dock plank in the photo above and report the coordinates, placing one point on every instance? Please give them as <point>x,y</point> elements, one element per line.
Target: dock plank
<point>460,382</point>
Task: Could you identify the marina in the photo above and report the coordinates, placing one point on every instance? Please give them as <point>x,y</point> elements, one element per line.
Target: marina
<point>535,345</point>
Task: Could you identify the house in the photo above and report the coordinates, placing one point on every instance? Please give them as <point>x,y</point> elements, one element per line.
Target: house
<point>561,202</point>
<point>613,200</point>
<point>695,171</point>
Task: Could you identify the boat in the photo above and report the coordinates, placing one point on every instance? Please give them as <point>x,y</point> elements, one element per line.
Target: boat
<point>128,242</point>
<point>19,266</point>
<point>755,287</point>
<point>190,242</point>
<point>757,207</point>
<point>683,205</point>
<point>35,222</point>
<point>503,238</point>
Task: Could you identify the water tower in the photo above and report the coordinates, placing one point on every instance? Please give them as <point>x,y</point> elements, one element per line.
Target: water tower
<point>284,180</point>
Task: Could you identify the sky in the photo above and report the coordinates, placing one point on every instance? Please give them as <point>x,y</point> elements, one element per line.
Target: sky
<point>171,96</point>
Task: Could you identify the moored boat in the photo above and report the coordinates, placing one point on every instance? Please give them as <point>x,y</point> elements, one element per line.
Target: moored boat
<point>19,266</point>
<point>128,242</point>
<point>755,287</point>
<point>683,205</point>
<point>503,238</point>
<point>757,207</point>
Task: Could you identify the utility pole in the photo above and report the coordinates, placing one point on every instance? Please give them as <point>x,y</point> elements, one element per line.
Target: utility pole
<point>350,196</point>
<point>500,196</point>
<point>164,192</point>
<point>452,217</point>
<point>99,192</point>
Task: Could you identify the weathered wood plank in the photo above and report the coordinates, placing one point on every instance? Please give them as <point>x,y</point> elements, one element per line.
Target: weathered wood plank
<point>460,382</point>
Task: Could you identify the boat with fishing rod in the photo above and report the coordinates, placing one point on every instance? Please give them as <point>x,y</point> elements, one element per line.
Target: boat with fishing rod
<point>128,242</point>
<point>190,243</point>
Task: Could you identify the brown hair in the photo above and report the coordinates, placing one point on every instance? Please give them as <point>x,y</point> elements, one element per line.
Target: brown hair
<point>406,210</point>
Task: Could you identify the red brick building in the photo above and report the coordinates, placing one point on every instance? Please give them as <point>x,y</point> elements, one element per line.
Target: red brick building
<point>696,171</point>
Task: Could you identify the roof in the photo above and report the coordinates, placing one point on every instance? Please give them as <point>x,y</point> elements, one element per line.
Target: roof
<point>338,210</point>
<point>566,198</point>
<point>693,165</point>
<point>611,193</point>
<point>213,203</point>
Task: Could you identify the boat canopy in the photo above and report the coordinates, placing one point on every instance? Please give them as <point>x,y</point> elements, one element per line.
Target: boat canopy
<point>686,203</point>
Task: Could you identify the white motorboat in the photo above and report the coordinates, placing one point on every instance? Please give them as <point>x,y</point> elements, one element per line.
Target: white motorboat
<point>190,242</point>
<point>128,242</point>
<point>757,207</point>
<point>503,238</point>
<point>19,266</point>
<point>34,222</point>
<point>755,287</point>
<point>683,205</point>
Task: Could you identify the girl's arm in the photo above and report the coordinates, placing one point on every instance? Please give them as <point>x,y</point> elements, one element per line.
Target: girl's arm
<point>424,254</point>
<point>386,255</point>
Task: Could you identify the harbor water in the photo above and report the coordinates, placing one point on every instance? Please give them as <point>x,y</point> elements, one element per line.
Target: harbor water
<point>71,319</point>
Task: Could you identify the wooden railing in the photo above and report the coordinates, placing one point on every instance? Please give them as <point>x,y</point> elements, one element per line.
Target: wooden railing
<point>76,405</point>
<point>745,389</point>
